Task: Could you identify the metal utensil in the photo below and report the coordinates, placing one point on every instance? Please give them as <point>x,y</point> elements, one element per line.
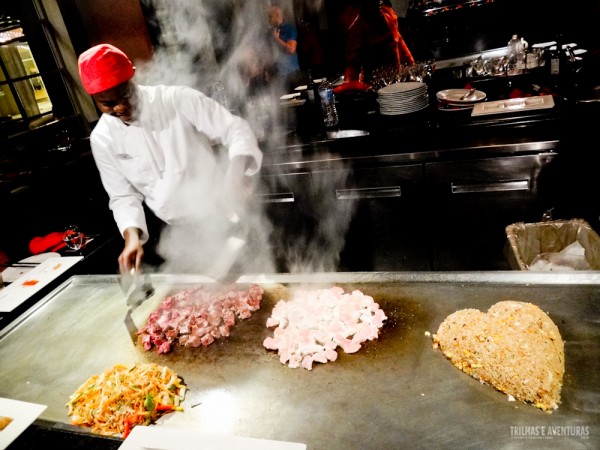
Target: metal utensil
<point>339,80</point>
<point>136,287</point>
<point>468,94</point>
<point>20,264</point>
<point>221,267</point>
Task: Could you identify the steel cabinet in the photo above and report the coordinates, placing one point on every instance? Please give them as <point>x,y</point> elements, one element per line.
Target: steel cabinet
<point>471,203</point>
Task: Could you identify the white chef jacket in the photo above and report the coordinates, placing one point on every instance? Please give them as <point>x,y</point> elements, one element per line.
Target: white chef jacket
<point>166,156</point>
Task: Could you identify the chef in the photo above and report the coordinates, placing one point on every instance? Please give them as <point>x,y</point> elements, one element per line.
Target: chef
<point>162,149</point>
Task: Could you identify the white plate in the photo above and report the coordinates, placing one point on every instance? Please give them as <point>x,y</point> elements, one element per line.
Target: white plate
<point>23,415</point>
<point>400,94</point>
<point>407,102</point>
<point>543,44</point>
<point>34,280</point>
<point>403,108</point>
<point>408,98</point>
<point>303,87</point>
<point>165,438</point>
<point>401,87</point>
<point>398,113</point>
<point>41,257</point>
<point>292,102</point>
<point>455,95</point>
<point>290,96</point>
<point>11,274</point>
<point>464,105</point>
<point>513,105</point>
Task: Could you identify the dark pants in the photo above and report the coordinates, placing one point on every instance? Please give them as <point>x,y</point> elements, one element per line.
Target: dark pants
<point>155,228</point>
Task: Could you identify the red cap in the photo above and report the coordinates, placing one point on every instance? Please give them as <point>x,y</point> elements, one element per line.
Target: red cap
<point>103,67</point>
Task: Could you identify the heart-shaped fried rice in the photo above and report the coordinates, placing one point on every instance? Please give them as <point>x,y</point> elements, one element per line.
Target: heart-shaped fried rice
<point>514,347</point>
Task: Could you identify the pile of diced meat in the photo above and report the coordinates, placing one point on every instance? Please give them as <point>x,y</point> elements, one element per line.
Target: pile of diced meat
<point>314,323</point>
<point>198,316</point>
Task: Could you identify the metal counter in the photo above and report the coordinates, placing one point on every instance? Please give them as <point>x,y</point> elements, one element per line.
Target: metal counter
<point>396,392</point>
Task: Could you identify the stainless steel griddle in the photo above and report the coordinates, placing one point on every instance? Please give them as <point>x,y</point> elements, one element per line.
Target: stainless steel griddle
<point>396,392</point>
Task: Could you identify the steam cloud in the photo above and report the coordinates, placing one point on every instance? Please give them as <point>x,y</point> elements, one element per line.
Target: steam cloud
<point>220,41</point>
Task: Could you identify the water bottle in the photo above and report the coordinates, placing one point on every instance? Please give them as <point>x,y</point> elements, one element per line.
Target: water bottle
<point>557,68</point>
<point>310,88</point>
<point>330,115</point>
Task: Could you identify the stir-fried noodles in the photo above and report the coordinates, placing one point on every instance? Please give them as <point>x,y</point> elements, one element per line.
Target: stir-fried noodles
<point>122,397</point>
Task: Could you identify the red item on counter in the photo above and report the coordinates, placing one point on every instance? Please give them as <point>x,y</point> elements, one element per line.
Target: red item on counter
<point>516,93</point>
<point>351,86</point>
<point>51,242</point>
<point>103,67</point>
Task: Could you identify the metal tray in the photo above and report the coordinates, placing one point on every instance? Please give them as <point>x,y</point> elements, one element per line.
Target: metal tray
<point>396,392</point>
<point>513,105</point>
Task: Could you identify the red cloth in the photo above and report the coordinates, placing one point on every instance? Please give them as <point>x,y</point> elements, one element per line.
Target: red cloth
<point>351,86</point>
<point>103,67</point>
<point>372,40</point>
<point>51,242</point>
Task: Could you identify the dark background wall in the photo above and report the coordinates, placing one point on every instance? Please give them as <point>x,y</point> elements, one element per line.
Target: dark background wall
<point>459,31</point>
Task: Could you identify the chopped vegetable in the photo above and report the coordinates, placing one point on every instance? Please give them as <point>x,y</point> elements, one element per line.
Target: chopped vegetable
<point>122,397</point>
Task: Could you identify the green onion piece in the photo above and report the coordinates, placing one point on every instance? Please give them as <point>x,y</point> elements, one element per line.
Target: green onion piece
<point>149,402</point>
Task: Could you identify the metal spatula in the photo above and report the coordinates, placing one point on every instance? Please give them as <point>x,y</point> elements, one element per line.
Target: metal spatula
<point>232,249</point>
<point>136,287</point>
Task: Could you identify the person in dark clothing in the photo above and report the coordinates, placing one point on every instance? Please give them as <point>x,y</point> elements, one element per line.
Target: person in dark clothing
<point>284,39</point>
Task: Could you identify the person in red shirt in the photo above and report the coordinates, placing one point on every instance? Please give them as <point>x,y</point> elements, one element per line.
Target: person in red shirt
<point>372,39</point>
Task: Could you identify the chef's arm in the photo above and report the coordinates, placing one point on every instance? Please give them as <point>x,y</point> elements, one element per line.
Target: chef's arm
<point>238,185</point>
<point>239,169</point>
<point>241,165</point>
<point>133,252</point>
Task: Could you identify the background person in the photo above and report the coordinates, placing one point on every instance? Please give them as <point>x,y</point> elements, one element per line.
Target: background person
<point>170,149</point>
<point>284,39</point>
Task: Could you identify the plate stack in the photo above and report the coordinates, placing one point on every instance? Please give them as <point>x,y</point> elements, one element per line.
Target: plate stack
<point>402,98</point>
<point>459,99</point>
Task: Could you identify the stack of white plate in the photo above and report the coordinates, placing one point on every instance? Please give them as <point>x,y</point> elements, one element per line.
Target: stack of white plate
<point>402,98</point>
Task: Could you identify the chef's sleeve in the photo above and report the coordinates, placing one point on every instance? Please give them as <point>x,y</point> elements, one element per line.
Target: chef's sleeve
<point>124,200</point>
<point>221,127</point>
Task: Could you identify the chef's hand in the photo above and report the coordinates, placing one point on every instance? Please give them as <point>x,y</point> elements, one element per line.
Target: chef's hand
<point>133,252</point>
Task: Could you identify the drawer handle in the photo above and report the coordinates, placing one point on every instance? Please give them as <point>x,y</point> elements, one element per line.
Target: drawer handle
<point>283,197</point>
<point>378,192</point>
<point>500,186</point>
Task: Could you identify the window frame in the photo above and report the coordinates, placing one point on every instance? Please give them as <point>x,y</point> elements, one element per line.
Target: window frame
<point>39,35</point>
